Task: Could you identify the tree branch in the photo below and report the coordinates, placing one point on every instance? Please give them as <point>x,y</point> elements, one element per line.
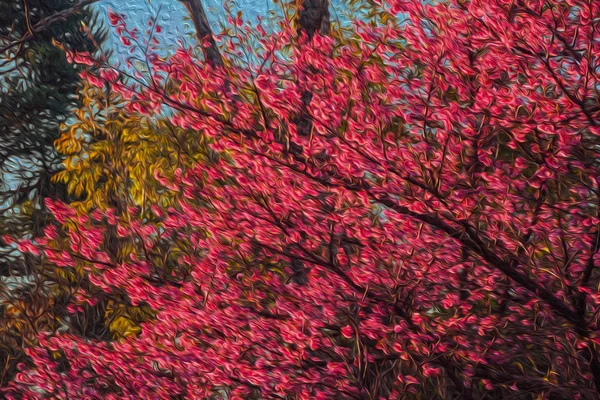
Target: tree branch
<point>47,22</point>
<point>203,32</point>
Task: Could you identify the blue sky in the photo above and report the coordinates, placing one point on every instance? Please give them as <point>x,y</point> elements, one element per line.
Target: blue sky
<point>173,15</point>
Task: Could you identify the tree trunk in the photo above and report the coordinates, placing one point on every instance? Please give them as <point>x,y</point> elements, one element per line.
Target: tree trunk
<point>314,16</point>
<point>203,32</point>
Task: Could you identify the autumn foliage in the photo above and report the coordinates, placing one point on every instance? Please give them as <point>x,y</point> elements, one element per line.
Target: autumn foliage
<point>406,211</point>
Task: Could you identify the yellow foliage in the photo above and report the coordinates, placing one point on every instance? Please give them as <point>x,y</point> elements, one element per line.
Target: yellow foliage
<point>123,327</point>
<point>111,155</point>
<point>111,158</point>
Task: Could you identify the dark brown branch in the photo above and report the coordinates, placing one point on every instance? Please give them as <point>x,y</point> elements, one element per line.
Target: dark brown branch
<point>468,236</point>
<point>203,32</point>
<point>472,241</point>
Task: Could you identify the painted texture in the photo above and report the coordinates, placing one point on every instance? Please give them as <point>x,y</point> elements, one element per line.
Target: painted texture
<point>177,25</point>
<point>398,211</point>
<point>174,18</point>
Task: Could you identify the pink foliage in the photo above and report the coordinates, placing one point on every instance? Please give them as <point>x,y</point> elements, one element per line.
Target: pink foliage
<point>435,232</point>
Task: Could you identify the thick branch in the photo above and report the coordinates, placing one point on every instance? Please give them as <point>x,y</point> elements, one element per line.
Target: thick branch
<point>203,32</point>
<point>468,237</point>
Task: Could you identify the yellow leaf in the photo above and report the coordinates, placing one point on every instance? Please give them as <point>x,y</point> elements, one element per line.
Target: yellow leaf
<point>123,327</point>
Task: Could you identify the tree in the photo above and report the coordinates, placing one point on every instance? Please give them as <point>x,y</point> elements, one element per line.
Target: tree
<point>37,93</point>
<point>43,25</point>
<point>435,236</point>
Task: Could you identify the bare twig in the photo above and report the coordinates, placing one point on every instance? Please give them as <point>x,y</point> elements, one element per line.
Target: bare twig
<point>47,22</point>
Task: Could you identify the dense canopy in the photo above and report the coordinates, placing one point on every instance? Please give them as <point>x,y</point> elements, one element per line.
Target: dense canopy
<point>407,209</point>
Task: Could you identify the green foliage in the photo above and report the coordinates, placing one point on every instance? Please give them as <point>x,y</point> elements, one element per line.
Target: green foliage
<point>37,93</point>
<point>38,88</point>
